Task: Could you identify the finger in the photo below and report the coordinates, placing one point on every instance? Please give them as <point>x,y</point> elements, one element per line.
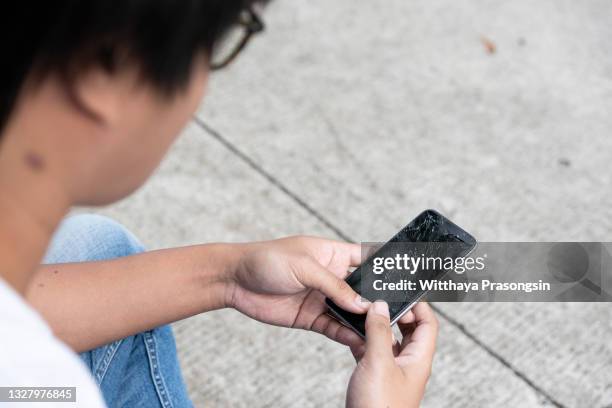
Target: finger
<point>379,337</point>
<point>406,318</point>
<point>335,331</point>
<point>421,343</point>
<point>354,251</point>
<point>358,351</point>
<point>350,257</point>
<point>313,275</point>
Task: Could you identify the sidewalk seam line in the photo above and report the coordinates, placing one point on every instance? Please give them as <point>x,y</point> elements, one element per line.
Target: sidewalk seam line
<point>274,181</point>
<point>270,178</point>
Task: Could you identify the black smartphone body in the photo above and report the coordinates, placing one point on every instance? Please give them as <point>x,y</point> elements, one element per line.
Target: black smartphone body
<point>430,230</point>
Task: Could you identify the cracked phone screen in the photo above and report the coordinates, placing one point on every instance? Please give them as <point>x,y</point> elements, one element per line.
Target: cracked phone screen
<point>429,235</point>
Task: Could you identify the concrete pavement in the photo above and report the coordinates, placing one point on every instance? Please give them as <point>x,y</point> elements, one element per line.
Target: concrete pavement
<point>346,119</point>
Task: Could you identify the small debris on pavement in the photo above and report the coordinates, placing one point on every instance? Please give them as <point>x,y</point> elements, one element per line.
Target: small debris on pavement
<point>489,45</point>
<point>565,162</point>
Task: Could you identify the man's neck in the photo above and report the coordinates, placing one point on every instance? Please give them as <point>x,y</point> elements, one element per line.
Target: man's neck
<point>31,207</point>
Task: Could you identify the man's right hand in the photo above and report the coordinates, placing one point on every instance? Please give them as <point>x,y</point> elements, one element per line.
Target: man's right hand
<point>391,375</point>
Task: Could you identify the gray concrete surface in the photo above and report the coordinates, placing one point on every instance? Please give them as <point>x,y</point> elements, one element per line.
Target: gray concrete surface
<point>347,118</point>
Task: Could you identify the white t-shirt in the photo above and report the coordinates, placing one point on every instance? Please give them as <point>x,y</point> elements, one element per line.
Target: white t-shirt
<point>30,356</point>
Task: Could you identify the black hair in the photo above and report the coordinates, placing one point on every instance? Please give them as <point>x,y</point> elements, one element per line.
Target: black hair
<point>66,37</point>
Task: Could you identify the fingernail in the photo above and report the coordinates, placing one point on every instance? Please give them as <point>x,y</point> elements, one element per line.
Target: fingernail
<point>381,308</point>
<point>362,302</point>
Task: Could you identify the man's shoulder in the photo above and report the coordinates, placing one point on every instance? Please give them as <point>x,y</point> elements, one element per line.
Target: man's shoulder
<point>30,356</point>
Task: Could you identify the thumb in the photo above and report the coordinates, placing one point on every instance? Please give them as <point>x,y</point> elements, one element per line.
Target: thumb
<point>379,337</point>
<point>313,275</point>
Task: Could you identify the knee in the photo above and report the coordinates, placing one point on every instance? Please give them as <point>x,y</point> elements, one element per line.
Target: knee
<point>90,237</point>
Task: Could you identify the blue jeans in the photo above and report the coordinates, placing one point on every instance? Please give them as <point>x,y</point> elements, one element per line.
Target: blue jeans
<point>138,371</point>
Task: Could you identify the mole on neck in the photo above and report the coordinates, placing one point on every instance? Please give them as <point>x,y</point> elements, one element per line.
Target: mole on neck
<point>34,161</point>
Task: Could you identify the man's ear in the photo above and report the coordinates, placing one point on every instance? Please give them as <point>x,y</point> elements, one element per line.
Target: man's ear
<point>100,95</point>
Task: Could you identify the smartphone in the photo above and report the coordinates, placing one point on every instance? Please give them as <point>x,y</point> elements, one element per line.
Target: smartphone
<point>430,230</point>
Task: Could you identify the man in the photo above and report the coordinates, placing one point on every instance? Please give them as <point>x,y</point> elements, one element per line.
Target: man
<point>93,94</point>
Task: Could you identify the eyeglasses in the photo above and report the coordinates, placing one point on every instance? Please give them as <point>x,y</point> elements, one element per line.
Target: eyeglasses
<point>236,39</point>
